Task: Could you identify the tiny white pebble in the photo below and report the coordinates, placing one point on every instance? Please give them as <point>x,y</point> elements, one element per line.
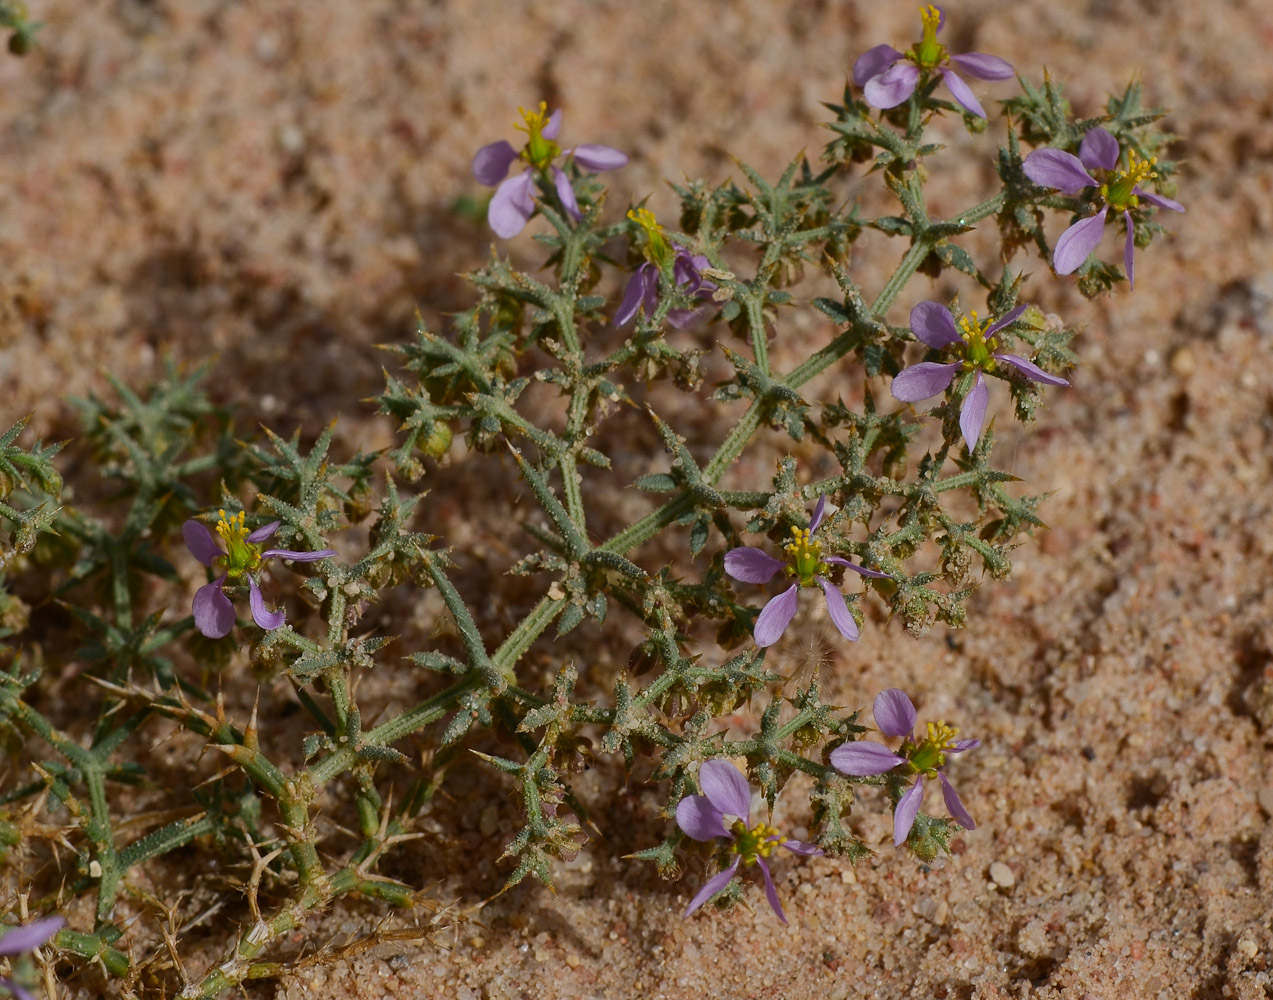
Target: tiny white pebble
<point>1002,876</point>
<point>1248,948</point>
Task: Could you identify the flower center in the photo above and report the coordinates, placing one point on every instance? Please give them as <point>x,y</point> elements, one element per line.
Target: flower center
<point>538,151</point>
<point>806,557</point>
<point>240,554</point>
<point>929,754</point>
<point>657,250</point>
<point>978,348</point>
<point>758,842</point>
<point>928,53</point>
<point>1119,191</point>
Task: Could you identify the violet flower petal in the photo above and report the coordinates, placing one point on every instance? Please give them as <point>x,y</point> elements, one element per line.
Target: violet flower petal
<point>894,712</point>
<point>953,805</point>
<point>906,811</point>
<point>819,512</point>
<point>683,319</point>
<point>1129,257</point>
<point>1077,242</point>
<point>725,788</point>
<point>263,532</point>
<point>972,415</point>
<point>1009,317</point>
<point>18,992</point>
<point>566,192</point>
<point>1055,168</point>
<point>1099,150</point>
<point>839,610</point>
<point>959,746</point>
<point>862,759</point>
<point>263,616</point>
<point>552,128</point>
<point>984,67</point>
<point>1159,200</point>
<point>597,158</point>
<point>891,87</point>
<point>32,935</point>
<point>212,610</point>
<point>933,324</point>
<point>776,616</point>
<point>751,565</point>
<point>803,848</point>
<point>841,561</point>
<point>1030,370</point>
<point>511,206</point>
<point>712,886</point>
<point>200,543</point>
<point>923,381</point>
<point>699,819</point>
<point>962,92</point>
<point>771,891</point>
<point>873,62</point>
<point>314,556</point>
<point>491,162</point>
<point>637,293</point>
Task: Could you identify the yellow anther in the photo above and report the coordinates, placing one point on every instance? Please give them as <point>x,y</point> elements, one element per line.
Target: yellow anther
<point>231,528</point>
<point>758,842</point>
<point>535,120</point>
<point>941,736</point>
<point>930,15</point>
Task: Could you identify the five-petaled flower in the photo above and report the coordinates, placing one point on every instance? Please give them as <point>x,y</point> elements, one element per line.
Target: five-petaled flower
<point>1120,190</point>
<point>935,325</point>
<point>702,817</point>
<point>513,203</point>
<point>888,77</point>
<point>213,612</point>
<point>808,566</point>
<point>924,758</point>
<point>642,291</point>
<point>17,940</point>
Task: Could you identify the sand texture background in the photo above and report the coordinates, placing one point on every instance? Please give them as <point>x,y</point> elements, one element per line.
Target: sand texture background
<point>269,188</point>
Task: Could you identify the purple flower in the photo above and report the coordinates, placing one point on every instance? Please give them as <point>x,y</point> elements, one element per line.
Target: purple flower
<point>514,200</point>
<point>808,567</point>
<point>935,325</point>
<point>642,291</point>
<point>888,77</point>
<point>895,716</point>
<point>1120,191</point>
<point>213,612</point>
<point>17,940</point>
<point>702,817</point>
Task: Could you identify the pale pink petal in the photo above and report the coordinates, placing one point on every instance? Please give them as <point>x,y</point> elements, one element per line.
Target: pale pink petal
<point>552,128</point>
<point>200,543</point>
<point>840,561</point>
<point>263,532</point>
<point>803,848</point>
<point>923,381</point>
<point>959,746</point>
<point>953,805</point>
<point>891,87</point>
<point>491,162</point>
<point>932,323</point>
<point>1030,370</point>
<point>725,788</point>
<point>1055,168</point>
<point>906,811</point>
<point>818,513</point>
<point>641,291</point>
<point>1099,150</point>
<point>212,610</point>
<point>597,158</point>
<point>984,67</point>
<point>972,415</point>
<point>839,611</point>
<point>894,712</point>
<point>1077,242</point>
<point>1004,320</point>
<point>699,819</point>
<point>863,758</point>
<point>962,92</point>
<point>32,935</point>
<point>512,205</point>
<point>751,565</point>
<point>712,886</point>
<point>873,62</point>
<point>776,616</point>
<point>771,891</point>
<point>262,615</point>
<point>566,192</point>
<point>1159,200</point>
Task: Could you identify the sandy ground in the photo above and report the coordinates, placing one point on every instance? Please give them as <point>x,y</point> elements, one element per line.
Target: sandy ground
<point>267,188</point>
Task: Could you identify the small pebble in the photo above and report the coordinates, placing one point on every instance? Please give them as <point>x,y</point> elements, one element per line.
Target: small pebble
<point>1247,948</point>
<point>1265,798</point>
<point>1001,875</point>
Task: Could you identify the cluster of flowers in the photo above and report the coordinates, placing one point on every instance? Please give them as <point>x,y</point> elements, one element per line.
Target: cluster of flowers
<point>965,344</point>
